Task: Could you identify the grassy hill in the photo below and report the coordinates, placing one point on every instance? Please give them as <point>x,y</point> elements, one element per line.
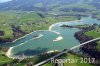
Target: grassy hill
<point>27,21</point>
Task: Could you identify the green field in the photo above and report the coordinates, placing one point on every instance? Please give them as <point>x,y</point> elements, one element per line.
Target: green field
<point>95,34</point>
<point>4,59</point>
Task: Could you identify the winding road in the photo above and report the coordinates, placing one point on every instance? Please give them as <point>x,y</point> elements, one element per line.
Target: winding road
<point>45,61</point>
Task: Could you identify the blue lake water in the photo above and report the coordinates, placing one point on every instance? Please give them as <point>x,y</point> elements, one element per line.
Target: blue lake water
<point>30,46</point>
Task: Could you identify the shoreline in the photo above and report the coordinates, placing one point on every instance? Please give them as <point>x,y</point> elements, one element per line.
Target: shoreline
<point>8,53</point>
<point>21,37</point>
<point>49,29</point>
<point>24,57</point>
<point>52,51</point>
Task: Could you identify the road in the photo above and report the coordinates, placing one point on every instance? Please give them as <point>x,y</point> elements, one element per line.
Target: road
<point>59,54</point>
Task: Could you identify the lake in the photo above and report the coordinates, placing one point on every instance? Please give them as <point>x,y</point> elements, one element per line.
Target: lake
<point>33,46</point>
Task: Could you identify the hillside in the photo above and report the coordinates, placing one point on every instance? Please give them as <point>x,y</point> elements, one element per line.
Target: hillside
<point>43,5</point>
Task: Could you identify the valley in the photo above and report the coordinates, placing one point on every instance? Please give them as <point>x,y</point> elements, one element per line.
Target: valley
<point>34,30</point>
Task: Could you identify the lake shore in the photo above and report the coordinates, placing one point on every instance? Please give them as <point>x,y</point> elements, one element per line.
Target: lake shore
<point>24,56</point>
<point>50,29</point>
<point>9,52</point>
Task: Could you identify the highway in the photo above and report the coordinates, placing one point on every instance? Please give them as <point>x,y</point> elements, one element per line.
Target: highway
<point>59,54</point>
